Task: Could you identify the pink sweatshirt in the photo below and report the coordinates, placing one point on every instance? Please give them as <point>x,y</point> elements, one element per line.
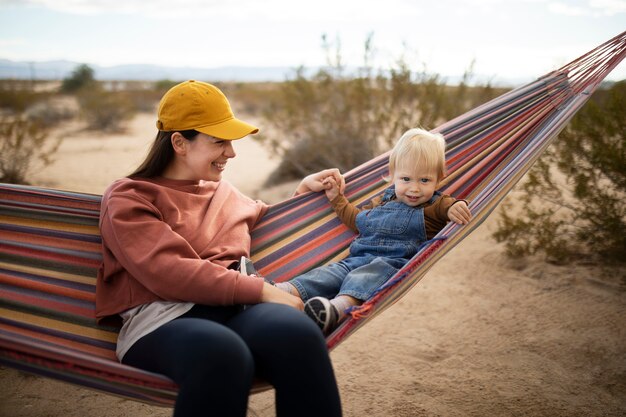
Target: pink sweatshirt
<point>173,240</point>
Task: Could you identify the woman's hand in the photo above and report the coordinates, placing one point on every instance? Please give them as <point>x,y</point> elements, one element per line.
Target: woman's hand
<point>459,213</point>
<point>271,294</point>
<point>316,182</point>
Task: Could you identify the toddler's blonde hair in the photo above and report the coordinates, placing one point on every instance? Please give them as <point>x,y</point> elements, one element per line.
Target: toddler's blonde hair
<point>419,148</point>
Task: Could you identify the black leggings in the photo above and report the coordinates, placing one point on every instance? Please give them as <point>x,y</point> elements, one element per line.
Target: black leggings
<point>214,353</point>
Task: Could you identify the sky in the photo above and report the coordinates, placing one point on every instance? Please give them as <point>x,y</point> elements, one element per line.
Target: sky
<point>503,38</point>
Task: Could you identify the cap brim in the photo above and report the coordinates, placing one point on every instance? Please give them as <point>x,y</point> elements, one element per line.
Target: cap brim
<point>229,130</point>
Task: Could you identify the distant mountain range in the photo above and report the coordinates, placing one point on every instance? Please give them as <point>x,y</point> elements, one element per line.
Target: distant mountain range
<point>58,70</point>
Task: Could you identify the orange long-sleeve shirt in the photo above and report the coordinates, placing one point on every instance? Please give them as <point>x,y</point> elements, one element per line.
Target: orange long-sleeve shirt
<point>174,240</point>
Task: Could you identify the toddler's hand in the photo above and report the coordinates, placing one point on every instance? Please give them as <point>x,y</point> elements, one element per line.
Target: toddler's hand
<point>459,213</point>
<point>331,188</point>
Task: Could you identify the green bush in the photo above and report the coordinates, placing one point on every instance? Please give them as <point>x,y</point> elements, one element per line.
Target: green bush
<point>82,77</point>
<point>573,200</point>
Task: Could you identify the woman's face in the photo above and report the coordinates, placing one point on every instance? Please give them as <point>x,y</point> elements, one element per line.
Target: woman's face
<point>205,158</point>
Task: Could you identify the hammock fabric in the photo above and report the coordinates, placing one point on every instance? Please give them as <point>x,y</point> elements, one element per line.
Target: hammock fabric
<point>50,243</point>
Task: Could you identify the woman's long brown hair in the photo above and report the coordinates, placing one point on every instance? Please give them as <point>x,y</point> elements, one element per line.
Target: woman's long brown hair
<point>160,155</point>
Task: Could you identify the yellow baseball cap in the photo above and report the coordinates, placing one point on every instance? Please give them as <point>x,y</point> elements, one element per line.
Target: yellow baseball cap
<point>203,107</point>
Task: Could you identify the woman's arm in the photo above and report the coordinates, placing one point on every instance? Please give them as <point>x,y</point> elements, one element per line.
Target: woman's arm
<point>272,294</point>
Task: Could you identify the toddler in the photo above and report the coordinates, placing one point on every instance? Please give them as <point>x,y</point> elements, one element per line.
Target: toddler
<point>390,229</point>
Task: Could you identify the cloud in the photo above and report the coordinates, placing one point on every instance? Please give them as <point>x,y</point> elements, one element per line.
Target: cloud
<point>567,10</point>
<point>12,42</point>
<point>95,7</point>
<point>593,8</point>
<point>324,10</point>
<point>609,7</point>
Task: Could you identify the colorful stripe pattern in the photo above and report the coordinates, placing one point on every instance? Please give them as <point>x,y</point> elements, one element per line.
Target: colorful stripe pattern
<point>50,245</point>
<point>49,256</point>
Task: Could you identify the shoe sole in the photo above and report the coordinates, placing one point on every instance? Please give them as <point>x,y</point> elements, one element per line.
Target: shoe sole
<point>320,316</point>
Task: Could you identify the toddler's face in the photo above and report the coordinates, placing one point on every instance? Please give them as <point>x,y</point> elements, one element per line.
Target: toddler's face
<point>416,187</point>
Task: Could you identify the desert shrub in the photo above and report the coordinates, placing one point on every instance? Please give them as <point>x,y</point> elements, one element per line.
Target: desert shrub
<point>36,100</point>
<point>82,77</point>
<point>141,100</point>
<point>250,98</point>
<point>51,112</point>
<point>143,96</point>
<point>16,96</point>
<point>23,146</point>
<point>338,118</point>
<point>105,110</point>
<point>572,204</point>
<point>161,86</point>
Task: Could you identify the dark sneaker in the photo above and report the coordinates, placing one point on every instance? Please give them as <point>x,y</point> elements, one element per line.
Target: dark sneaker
<point>323,313</point>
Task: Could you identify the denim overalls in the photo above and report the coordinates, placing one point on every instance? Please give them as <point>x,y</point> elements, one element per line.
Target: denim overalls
<point>389,236</point>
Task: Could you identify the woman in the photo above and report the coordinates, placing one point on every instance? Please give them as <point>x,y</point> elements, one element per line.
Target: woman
<point>172,233</point>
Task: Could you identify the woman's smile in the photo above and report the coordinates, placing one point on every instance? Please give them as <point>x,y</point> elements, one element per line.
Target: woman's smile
<point>219,165</point>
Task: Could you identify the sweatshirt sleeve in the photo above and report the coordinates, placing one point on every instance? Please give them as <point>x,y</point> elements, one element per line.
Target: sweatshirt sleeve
<point>164,262</point>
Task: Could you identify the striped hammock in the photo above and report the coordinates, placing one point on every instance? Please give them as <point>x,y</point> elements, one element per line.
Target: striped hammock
<point>50,243</point>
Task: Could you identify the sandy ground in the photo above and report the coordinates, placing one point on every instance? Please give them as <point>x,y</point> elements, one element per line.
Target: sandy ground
<point>478,336</point>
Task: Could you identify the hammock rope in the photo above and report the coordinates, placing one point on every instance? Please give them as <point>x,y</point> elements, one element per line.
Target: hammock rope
<point>50,243</point>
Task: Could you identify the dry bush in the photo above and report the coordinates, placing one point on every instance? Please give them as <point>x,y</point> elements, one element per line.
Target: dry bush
<point>340,119</point>
<point>105,110</point>
<point>584,216</point>
<point>250,98</point>
<point>16,96</point>
<point>105,106</point>
<point>52,112</point>
<point>23,146</point>
<point>28,112</point>
<point>142,95</point>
